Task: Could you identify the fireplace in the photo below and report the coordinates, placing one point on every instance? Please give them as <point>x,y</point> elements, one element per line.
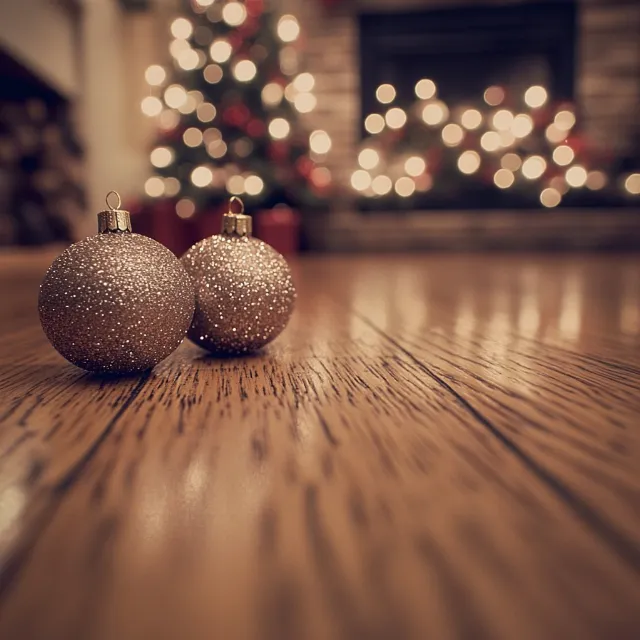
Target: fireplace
<point>461,53</point>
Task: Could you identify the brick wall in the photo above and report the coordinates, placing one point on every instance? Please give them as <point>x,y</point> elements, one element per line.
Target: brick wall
<point>608,80</point>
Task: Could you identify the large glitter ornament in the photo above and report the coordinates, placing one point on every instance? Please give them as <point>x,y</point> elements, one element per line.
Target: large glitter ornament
<point>117,302</point>
<point>244,290</point>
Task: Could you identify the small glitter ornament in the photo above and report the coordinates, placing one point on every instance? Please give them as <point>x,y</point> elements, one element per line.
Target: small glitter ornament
<point>244,290</point>
<point>117,302</point>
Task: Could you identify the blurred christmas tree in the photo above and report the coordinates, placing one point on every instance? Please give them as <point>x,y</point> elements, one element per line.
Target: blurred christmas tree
<point>228,112</point>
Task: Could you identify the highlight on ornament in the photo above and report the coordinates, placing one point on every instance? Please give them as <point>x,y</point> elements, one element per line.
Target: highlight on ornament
<point>117,302</point>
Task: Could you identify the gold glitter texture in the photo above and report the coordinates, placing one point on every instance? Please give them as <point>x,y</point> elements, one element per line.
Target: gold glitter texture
<point>244,293</point>
<point>116,303</point>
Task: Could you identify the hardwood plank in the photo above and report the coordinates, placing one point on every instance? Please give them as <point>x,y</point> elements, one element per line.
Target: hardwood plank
<point>544,366</point>
<point>331,488</point>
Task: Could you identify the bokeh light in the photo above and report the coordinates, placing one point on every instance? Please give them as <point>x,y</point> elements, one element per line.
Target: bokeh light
<point>632,184</point>
<point>503,178</point>
<point>385,93</point>
<point>502,120</point>
<point>288,28</point>
<point>155,75</point>
<point>425,89</point>
<point>550,197</point>
<point>469,162</point>
<point>151,106</point>
<point>533,167</point>
<point>494,96</point>
<point>181,28</point>
<point>563,155</point>
<point>279,128</point>
<point>381,185</point>
<point>220,51</point>
<point>405,187</point>
<point>452,135</point>
<point>272,94</point>
<point>245,71</point>
<point>415,166</point>
<point>368,158</point>
<point>434,113</point>
<point>192,137</point>
<point>161,157</point>
<point>511,161</point>
<point>374,123</point>
<point>234,13</point>
<point>154,187</point>
<point>320,142</point>
<point>535,96</point>
<point>471,119</point>
<point>395,118</point>
<point>360,180</point>
<point>522,125</point>
<point>490,141</point>
<point>576,176</point>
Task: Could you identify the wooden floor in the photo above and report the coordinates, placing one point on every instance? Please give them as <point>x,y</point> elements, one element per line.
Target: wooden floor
<point>437,447</point>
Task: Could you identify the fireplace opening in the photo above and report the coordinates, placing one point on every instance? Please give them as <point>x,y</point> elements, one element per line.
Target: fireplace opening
<point>459,53</point>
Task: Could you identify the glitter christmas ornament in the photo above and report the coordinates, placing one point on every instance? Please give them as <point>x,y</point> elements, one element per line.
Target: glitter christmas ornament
<point>244,290</point>
<point>117,302</point>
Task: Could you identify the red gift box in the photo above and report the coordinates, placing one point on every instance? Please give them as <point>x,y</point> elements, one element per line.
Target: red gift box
<point>280,228</point>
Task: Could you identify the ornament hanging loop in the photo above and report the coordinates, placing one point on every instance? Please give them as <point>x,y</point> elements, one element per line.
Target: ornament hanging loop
<point>234,200</point>
<point>114,219</point>
<point>117,195</point>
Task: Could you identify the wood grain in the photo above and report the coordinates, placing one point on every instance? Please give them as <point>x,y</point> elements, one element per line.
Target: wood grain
<point>437,447</point>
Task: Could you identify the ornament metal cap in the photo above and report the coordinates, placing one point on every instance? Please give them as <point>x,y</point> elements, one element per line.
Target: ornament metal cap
<point>114,219</point>
<point>236,224</point>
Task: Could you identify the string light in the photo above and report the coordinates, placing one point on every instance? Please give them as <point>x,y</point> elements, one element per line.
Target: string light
<point>385,93</point>
<point>576,176</point>
<point>564,120</point>
<point>535,96</point>
<point>288,28</point>
<point>185,208</point>
<point>171,187</point>
<point>490,141</point>
<point>415,166</point>
<point>181,28</point>
<point>177,47</point>
<point>533,167</point>
<point>424,182</point>
<point>434,113</point>
<point>272,94</point>
<point>155,75</point>
<point>550,197</point>
<point>154,187</point>
<point>395,118</point>
<point>161,157</point>
<point>188,59</point>
<point>212,134</point>
<point>381,185</point>
<point>213,73</point>
<point>469,162</point>
<point>522,125</point>
<point>217,149</point>
<point>374,123</point>
<point>253,185</point>
<point>279,128</point>
<point>201,176</point>
<point>494,96</point>
<point>304,82</point>
<point>189,105</point>
<point>452,135</point>
<point>245,71</point>
<point>321,177</point>
<point>175,96</point>
<point>320,142</point>
<point>563,155</point>
<point>632,184</point>
<point>206,112</point>
<point>360,180</point>
<point>503,178</point>
<point>192,137</point>
<point>555,135</point>
<point>234,14</point>
<point>305,102</point>
<point>168,120</point>
<point>502,120</point>
<point>471,119</point>
<point>425,89</point>
<point>405,187</point>
<point>506,138</point>
<point>220,51</point>
<point>151,106</point>
<point>596,180</point>
<point>511,161</point>
<point>368,158</point>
